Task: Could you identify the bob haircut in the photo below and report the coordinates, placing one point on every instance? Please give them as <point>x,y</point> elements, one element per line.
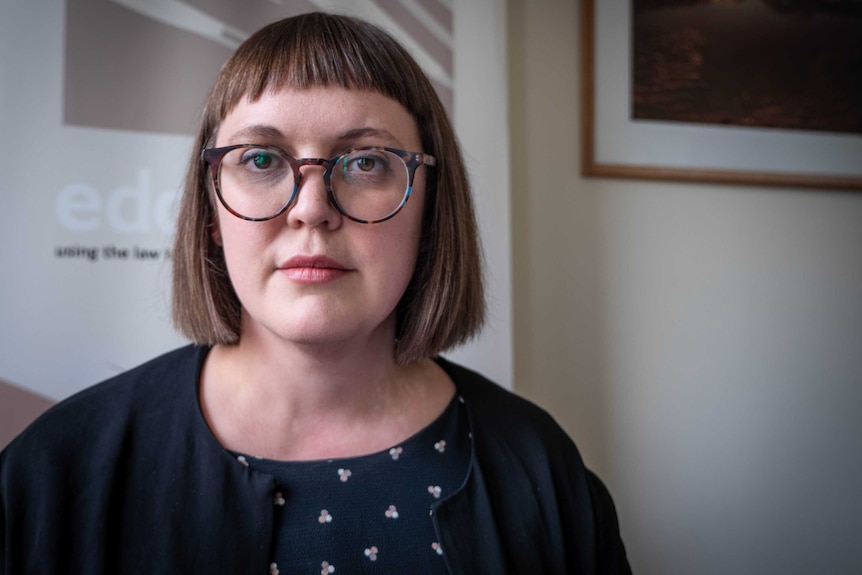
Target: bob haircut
<point>443,305</point>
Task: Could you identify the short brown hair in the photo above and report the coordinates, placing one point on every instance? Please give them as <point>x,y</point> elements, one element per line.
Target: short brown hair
<point>443,304</point>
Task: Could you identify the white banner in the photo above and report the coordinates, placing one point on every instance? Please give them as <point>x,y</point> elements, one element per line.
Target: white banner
<point>98,101</point>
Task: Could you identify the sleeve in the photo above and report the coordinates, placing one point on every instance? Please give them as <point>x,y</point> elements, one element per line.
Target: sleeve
<point>610,552</point>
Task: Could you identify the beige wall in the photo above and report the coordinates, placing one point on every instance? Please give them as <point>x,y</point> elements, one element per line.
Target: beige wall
<point>701,343</point>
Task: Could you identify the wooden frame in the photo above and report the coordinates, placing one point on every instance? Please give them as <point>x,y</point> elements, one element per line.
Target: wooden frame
<point>840,170</point>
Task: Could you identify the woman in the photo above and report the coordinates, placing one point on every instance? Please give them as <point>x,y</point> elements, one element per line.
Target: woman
<point>326,252</point>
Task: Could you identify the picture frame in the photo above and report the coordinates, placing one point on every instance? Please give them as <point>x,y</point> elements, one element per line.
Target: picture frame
<point>616,146</point>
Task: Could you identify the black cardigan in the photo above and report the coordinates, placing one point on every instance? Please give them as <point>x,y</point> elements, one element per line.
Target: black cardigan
<point>126,477</point>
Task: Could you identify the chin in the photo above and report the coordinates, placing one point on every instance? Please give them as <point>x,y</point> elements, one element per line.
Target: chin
<point>321,326</point>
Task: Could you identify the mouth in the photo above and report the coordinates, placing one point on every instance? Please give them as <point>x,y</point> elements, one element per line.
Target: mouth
<point>313,269</point>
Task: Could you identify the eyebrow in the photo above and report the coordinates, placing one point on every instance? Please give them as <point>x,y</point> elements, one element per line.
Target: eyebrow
<point>257,131</point>
<point>357,133</point>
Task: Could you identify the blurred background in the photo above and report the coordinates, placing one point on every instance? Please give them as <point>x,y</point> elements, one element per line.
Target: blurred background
<point>701,343</point>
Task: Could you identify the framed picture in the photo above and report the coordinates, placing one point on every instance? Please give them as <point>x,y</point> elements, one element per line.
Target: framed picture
<point>765,92</point>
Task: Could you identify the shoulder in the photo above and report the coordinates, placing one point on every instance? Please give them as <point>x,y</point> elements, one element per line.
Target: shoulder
<point>537,469</point>
<point>92,484</point>
<point>98,414</point>
<point>502,417</point>
<point>489,401</point>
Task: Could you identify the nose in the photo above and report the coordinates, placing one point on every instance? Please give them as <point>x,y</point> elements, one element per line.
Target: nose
<point>311,206</point>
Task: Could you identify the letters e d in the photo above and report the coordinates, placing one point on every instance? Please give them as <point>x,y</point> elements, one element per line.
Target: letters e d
<point>80,208</point>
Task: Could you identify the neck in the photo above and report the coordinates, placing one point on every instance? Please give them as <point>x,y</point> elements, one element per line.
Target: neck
<point>308,377</point>
<point>284,400</point>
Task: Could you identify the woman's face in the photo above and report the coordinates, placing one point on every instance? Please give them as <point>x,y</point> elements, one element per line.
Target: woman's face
<point>311,276</point>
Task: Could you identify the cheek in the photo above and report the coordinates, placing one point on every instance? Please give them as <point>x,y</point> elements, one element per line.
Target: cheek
<point>390,249</point>
<point>243,243</point>
<point>236,232</point>
<point>403,248</point>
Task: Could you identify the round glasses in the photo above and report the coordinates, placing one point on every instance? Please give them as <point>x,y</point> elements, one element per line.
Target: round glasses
<point>367,185</point>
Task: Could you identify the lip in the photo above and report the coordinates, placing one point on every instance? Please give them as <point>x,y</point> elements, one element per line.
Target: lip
<point>313,269</point>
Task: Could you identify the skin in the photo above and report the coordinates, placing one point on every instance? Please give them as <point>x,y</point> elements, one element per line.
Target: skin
<point>313,375</point>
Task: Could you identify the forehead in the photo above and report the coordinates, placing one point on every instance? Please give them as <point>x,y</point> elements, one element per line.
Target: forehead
<point>319,114</point>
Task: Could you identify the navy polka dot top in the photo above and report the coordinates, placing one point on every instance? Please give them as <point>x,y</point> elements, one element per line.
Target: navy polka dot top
<point>368,514</point>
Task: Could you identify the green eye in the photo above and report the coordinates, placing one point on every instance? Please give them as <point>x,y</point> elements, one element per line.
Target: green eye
<point>262,161</point>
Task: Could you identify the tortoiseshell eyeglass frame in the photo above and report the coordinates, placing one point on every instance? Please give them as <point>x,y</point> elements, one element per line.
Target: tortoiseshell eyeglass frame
<point>412,160</point>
